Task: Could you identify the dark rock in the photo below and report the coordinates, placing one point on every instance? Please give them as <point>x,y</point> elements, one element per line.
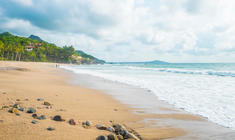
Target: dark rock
<point>88,123</point>
<point>42,117</point>
<point>115,109</point>
<point>17,114</point>
<point>58,118</point>
<point>26,99</point>
<point>22,109</point>
<point>117,127</point>
<point>100,127</point>
<point>40,99</point>
<point>16,106</point>
<point>34,116</point>
<point>112,137</point>
<point>102,137</point>
<point>110,129</point>
<point>72,122</point>
<point>17,99</point>
<point>50,128</point>
<point>1,121</point>
<point>4,92</point>
<point>46,103</point>
<point>48,107</point>
<point>34,122</point>
<point>31,110</point>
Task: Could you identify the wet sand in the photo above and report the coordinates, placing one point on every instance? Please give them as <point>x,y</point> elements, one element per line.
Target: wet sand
<point>84,97</point>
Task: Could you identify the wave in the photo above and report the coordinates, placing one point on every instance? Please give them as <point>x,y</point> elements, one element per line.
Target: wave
<point>208,96</point>
<point>184,71</point>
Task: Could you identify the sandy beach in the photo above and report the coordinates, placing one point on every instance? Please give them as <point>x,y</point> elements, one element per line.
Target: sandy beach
<point>26,82</point>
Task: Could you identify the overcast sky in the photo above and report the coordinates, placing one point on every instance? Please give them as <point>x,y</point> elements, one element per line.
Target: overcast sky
<point>129,30</point>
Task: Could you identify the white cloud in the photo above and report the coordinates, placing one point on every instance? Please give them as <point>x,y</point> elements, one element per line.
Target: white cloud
<point>24,2</point>
<point>182,30</point>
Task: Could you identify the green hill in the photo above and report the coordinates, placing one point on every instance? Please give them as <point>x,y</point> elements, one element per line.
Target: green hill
<point>35,38</point>
<point>35,49</point>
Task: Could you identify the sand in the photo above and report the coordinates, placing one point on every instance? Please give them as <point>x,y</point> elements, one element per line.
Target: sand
<point>25,82</point>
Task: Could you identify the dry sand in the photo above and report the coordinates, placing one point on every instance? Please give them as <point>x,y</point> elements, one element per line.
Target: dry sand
<point>28,81</point>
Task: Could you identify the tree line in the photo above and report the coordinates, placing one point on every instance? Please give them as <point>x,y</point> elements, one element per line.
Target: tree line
<point>14,48</point>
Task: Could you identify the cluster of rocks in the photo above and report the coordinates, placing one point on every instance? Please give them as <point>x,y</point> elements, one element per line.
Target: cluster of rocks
<point>119,132</point>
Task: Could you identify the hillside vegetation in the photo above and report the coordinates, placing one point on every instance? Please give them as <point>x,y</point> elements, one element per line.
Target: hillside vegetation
<point>34,49</point>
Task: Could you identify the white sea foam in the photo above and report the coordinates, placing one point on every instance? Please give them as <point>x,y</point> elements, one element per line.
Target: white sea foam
<point>199,92</point>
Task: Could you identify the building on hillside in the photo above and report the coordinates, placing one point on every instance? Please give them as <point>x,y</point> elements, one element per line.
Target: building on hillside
<point>32,46</point>
<point>29,48</point>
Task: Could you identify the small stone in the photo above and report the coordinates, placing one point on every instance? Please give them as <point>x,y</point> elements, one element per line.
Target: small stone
<point>112,137</point>
<point>42,117</point>
<point>1,121</point>
<point>102,137</point>
<point>4,92</point>
<point>61,110</point>
<point>34,116</point>
<point>34,121</point>
<point>110,129</point>
<point>17,114</point>
<point>72,122</point>
<point>58,118</point>
<point>115,109</point>
<point>48,107</point>
<point>100,127</point>
<point>14,110</point>
<point>26,99</point>
<point>22,109</point>
<point>124,133</point>
<point>88,123</point>
<point>40,99</point>
<point>17,99</point>
<point>50,128</point>
<point>31,110</point>
<point>117,127</point>
<point>16,106</point>
<point>46,103</point>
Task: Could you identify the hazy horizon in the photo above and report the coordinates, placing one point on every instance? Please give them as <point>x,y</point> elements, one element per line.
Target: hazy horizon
<point>183,31</point>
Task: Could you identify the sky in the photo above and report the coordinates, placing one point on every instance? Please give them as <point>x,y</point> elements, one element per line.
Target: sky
<point>129,30</point>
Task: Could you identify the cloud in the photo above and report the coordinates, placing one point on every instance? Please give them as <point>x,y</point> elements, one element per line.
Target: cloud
<point>136,30</point>
<point>24,2</point>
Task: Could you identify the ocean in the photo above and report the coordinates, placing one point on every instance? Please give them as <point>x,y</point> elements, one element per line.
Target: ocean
<point>205,89</point>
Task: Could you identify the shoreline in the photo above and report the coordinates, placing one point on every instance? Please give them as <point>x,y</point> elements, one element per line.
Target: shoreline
<point>158,113</point>
<point>83,101</point>
<point>43,80</point>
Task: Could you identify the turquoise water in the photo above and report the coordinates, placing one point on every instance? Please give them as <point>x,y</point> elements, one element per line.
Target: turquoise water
<point>204,89</point>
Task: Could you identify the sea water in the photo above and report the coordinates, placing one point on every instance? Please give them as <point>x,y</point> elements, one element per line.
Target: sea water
<point>204,89</point>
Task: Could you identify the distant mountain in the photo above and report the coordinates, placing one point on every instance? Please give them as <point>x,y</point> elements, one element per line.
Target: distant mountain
<point>6,34</point>
<point>89,58</point>
<point>146,62</point>
<point>35,38</point>
<point>155,62</point>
